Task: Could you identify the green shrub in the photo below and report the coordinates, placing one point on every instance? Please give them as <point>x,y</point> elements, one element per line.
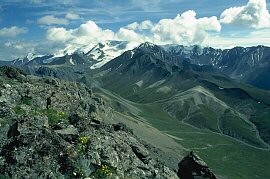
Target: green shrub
<point>26,100</point>
<point>53,115</point>
<point>18,110</point>
<point>82,145</point>
<point>104,171</point>
<point>83,140</point>
<point>4,176</point>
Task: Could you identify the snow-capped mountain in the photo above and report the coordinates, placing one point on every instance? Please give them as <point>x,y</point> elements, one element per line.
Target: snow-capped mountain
<point>246,64</point>
<point>92,55</point>
<point>235,62</point>
<point>104,52</point>
<point>250,65</point>
<point>24,60</point>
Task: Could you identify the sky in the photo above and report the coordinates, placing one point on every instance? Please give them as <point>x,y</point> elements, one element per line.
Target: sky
<point>45,26</point>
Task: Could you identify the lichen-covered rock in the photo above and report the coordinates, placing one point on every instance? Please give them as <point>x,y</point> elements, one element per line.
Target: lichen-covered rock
<point>53,129</point>
<point>11,72</point>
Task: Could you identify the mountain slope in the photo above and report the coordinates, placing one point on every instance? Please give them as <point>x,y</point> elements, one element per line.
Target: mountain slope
<point>248,65</point>
<point>179,105</point>
<point>146,75</point>
<point>221,152</point>
<point>50,128</point>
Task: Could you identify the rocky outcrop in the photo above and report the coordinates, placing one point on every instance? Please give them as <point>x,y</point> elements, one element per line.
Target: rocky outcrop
<point>192,166</point>
<point>12,73</point>
<point>64,137</point>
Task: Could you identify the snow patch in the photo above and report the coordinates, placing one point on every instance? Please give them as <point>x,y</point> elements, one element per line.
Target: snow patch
<point>132,53</point>
<point>164,89</point>
<point>202,96</point>
<point>49,60</point>
<point>70,49</point>
<point>31,56</point>
<point>118,66</point>
<point>139,83</point>
<point>158,83</point>
<point>71,61</point>
<point>105,52</point>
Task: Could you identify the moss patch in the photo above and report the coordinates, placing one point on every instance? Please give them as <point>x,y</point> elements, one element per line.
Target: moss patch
<point>53,115</point>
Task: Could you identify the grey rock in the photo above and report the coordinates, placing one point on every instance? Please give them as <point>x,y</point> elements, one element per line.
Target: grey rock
<point>70,130</point>
<point>68,138</point>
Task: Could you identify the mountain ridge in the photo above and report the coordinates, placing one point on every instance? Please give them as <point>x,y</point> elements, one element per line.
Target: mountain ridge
<point>244,64</point>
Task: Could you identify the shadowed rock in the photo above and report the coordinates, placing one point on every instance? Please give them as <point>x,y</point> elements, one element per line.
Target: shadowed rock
<point>192,166</point>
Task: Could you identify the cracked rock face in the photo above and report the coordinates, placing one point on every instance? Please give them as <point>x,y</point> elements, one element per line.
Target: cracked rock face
<point>64,137</point>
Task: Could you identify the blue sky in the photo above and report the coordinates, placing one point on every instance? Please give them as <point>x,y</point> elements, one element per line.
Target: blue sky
<point>43,26</point>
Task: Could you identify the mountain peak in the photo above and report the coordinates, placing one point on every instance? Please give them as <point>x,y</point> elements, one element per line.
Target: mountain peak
<point>147,45</point>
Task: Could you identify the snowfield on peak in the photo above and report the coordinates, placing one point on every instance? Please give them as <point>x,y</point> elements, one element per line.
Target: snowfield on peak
<point>31,56</point>
<point>96,54</point>
<point>104,52</point>
<point>100,53</point>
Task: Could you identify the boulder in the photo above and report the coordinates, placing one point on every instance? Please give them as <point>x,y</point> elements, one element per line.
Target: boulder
<point>192,166</point>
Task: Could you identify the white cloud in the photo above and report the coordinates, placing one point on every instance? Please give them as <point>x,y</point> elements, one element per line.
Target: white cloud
<point>258,37</point>
<point>140,26</point>
<point>72,16</point>
<point>128,35</point>
<point>12,31</point>
<point>90,32</point>
<point>184,29</point>
<point>58,34</point>
<point>17,46</point>
<point>86,33</point>
<point>11,50</point>
<point>254,14</point>
<point>52,20</point>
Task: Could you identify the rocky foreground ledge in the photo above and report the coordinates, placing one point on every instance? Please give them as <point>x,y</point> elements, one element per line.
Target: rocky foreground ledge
<point>52,129</point>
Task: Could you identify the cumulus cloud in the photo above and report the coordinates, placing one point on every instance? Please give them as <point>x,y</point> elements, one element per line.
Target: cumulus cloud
<point>72,16</point>
<point>128,35</point>
<point>254,14</point>
<point>86,33</point>
<point>52,20</point>
<point>10,50</point>
<point>58,34</point>
<point>184,29</point>
<point>140,26</point>
<point>12,31</point>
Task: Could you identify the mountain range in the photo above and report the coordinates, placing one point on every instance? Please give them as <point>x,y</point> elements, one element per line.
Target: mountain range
<point>248,65</point>
<point>213,101</point>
